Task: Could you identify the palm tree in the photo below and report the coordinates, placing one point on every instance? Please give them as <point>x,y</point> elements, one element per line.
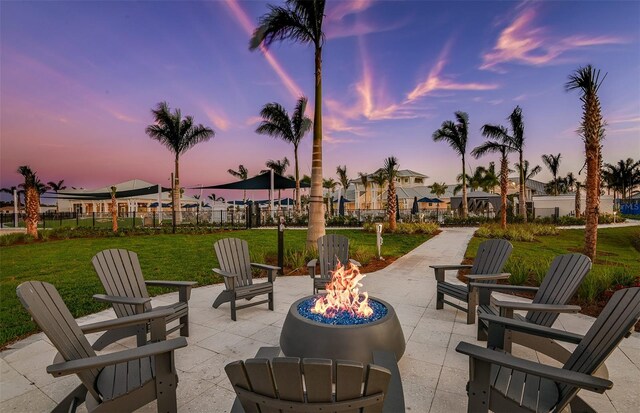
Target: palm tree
<point>329,184</point>
<point>553,163</point>
<point>497,143</point>
<point>341,171</point>
<point>489,178</point>
<point>57,186</point>
<point>379,178</point>
<point>622,177</point>
<point>515,141</point>
<point>276,123</point>
<point>278,167</point>
<point>456,135</point>
<point>215,198</point>
<point>391,172</point>
<point>114,210</point>
<point>178,135</point>
<point>587,81</point>
<point>301,22</point>
<point>578,200</point>
<point>525,170</point>
<point>31,200</point>
<point>438,189</point>
<point>364,178</point>
<point>242,173</point>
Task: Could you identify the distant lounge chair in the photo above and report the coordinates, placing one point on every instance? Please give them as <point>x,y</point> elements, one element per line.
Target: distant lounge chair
<point>558,286</point>
<point>487,266</point>
<point>331,249</point>
<point>121,381</point>
<point>501,382</point>
<point>235,268</point>
<point>121,276</point>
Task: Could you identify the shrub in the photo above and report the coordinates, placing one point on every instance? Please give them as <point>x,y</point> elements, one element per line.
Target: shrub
<point>469,221</point>
<point>527,271</point>
<point>297,258</point>
<point>516,232</point>
<point>405,227</point>
<point>15,238</point>
<point>343,221</point>
<point>361,254</point>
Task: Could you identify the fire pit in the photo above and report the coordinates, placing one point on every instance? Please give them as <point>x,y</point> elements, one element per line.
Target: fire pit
<point>341,324</point>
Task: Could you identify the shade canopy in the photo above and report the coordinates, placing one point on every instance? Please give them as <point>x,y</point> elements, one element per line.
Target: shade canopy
<point>414,207</point>
<point>97,195</point>
<point>431,200</point>
<point>262,181</point>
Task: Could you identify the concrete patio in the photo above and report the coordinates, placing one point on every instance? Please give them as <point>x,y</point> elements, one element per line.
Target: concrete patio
<point>433,374</point>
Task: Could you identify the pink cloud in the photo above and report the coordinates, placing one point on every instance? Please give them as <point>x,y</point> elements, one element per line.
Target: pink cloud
<point>436,81</point>
<point>216,117</point>
<point>524,43</point>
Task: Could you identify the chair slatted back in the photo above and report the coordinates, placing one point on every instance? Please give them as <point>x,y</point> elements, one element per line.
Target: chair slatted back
<point>614,322</point>
<point>491,256</point>
<point>47,309</point>
<point>289,384</point>
<point>233,257</point>
<point>560,284</point>
<point>331,249</point>
<point>120,273</point>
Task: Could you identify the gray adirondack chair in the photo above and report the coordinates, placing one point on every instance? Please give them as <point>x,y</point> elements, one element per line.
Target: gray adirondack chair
<point>558,286</point>
<point>502,382</point>
<point>235,267</point>
<point>121,276</point>
<point>487,266</point>
<point>121,381</point>
<point>331,249</point>
<point>308,385</point>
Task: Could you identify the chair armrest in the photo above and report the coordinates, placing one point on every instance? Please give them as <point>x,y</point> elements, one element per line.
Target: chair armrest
<point>132,320</point>
<point>265,266</point>
<point>224,273</point>
<point>354,262</point>
<point>113,299</point>
<point>531,328</point>
<point>451,267</point>
<point>478,277</point>
<point>162,283</point>
<point>549,308</point>
<point>574,378</point>
<point>311,266</point>
<point>96,362</point>
<point>503,287</point>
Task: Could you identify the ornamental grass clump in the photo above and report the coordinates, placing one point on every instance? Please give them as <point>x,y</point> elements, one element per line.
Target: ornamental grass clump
<point>405,228</point>
<point>516,232</point>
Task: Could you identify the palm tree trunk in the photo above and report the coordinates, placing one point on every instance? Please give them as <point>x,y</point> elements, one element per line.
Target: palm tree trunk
<point>175,200</point>
<point>316,216</point>
<point>577,201</point>
<point>114,213</point>
<point>391,205</point>
<point>295,155</point>
<point>592,201</point>
<point>555,180</point>
<point>465,207</point>
<point>504,178</point>
<point>522,200</point>
<point>32,206</point>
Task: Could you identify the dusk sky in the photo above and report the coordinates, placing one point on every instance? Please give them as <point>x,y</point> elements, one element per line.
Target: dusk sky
<point>78,81</point>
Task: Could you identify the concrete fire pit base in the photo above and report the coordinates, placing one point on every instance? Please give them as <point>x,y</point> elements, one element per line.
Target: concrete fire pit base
<point>302,337</point>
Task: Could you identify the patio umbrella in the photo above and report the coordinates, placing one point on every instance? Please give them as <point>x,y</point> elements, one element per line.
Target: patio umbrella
<point>397,208</point>
<point>341,206</point>
<point>414,207</point>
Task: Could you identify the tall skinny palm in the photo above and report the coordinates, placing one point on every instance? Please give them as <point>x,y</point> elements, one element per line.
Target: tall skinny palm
<point>456,135</point>
<point>276,123</point>
<point>391,172</point>
<point>31,200</point>
<point>497,144</point>
<point>178,134</point>
<point>279,167</point>
<point>301,22</point>
<point>241,173</point>
<point>113,208</point>
<point>57,186</point>
<point>587,81</point>
<point>330,185</point>
<point>341,171</point>
<point>364,179</point>
<point>380,179</point>
<point>552,162</point>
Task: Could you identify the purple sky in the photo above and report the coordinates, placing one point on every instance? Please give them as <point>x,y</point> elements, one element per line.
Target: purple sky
<point>78,81</point>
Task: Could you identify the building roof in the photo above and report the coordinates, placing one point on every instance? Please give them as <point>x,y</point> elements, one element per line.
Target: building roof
<point>532,184</point>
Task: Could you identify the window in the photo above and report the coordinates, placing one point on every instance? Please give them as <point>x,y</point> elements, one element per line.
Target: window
<point>418,180</point>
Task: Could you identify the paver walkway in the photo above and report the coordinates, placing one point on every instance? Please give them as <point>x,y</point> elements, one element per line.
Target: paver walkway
<point>433,374</point>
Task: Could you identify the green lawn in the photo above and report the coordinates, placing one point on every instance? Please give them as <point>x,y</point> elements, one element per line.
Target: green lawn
<point>67,264</point>
<point>617,260</point>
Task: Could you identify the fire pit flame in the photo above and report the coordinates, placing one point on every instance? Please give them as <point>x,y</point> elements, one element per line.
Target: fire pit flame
<point>343,294</point>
